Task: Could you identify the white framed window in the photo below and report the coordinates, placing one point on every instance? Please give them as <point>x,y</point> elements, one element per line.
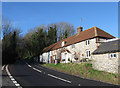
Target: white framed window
<point>88,54</point>
<point>73,46</point>
<point>87,42</point>
<point>113,55</point>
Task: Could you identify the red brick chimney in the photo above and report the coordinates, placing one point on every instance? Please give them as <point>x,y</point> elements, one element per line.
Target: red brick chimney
<point>79,29</point>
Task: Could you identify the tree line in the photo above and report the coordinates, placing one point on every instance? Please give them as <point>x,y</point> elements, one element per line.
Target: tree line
<point>15,46</point>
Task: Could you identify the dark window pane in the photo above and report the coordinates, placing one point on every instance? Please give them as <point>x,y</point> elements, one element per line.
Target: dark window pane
<point>111,55</point>
<point>86,42</point>
<point>89,53</point>
<point>114,55</point>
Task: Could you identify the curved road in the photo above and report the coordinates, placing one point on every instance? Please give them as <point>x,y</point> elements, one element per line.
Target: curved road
<point>37,75</point>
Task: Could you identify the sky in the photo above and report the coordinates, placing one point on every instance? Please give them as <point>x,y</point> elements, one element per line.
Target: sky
<point>27,15</point>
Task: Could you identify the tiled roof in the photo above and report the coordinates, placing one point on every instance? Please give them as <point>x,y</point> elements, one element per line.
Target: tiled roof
<point>49,48</point>
<point>86,34</point>
<point>108,47</point>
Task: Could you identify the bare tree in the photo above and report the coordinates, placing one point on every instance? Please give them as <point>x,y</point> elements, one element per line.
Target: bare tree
<point>65,30</point>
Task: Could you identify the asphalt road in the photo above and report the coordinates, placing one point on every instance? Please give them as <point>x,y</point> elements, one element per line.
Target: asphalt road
<point>6,80</point>
<point>37,75</point>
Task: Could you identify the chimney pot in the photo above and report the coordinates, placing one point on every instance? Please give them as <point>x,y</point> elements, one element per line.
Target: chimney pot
<point>79,29</point>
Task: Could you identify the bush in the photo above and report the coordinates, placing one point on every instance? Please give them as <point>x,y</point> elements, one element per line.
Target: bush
<point>89,65</point>
<point>58,60</point>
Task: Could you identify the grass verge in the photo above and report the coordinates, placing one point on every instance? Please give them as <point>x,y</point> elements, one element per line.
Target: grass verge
<point>85,70</point>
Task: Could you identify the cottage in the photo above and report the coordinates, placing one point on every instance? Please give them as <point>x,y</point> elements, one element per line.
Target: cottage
<point>45,57</point>
<point>106,57</point>
<point>76,47</point>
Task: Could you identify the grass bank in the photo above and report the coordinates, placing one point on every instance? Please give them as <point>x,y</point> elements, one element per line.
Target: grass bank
<point>85,70</point>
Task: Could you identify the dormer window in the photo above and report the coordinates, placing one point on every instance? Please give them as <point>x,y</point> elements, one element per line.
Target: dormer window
<point>87,42</point>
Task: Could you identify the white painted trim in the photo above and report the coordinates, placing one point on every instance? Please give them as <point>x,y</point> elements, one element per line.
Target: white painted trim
<point>112,54</point>
<point>110,40</point>
<point>88,40</point>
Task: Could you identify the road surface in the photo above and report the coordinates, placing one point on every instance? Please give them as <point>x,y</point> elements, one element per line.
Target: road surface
<point>24,74</point>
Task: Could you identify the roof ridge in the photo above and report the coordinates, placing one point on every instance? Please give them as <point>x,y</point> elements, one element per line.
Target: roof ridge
<point>89,29</point>
<point>95,31</point>
<point>66,38</point>
<point>104,31</point>
<point>58,42</point>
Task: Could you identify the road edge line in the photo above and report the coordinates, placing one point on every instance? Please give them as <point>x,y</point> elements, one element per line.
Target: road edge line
<point>3,67</point>
<point>11,77</point>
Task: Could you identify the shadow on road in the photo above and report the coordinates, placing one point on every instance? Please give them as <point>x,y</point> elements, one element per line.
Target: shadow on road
<point>18,75</point>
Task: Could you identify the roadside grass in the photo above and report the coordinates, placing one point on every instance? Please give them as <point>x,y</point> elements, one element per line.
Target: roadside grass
<point>85,70</point>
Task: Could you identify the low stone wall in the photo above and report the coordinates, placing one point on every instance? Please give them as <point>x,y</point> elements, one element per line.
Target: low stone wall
<point>103,62</point>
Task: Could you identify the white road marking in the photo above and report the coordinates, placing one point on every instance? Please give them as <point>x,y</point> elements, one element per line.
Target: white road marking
<point>11,77</point>
<point>59,78</point>
<point>19,87</point>
<point>78,84</point>
<point>36,69</point>
<point>49,74</point>
<point>29,66</point>
<point>32,67</point>
<point>8,71</point>
<point>3,67</point>
<point>39,71</point>
<point>14,81</point>
<point>16,84</point>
